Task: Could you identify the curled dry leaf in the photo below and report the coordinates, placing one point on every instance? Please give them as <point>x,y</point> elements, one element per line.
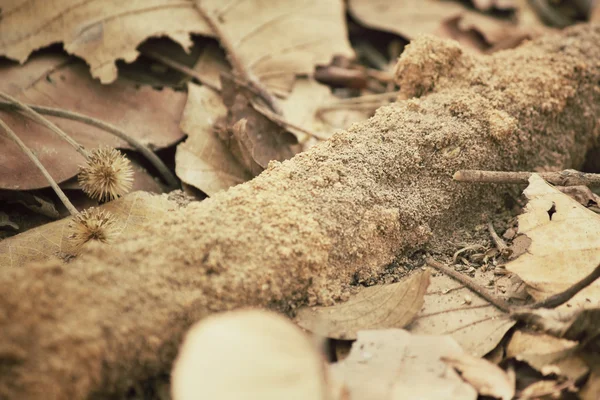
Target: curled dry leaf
<point>252,138</point>
<point>204,160</point>
<point>478,327</point>
<point>450,19</point>
<point>149,115</point>
<point>283,38</point>
<point>99,32</point>
<point>541,351</point>
<point>394,364</point>
<point>565,244</point>
<point>375,307</point>
<point>211,64</point>
<point>487,378</point>
<point>52,240</point>
<point>249,354</point>
<point>306,98</point>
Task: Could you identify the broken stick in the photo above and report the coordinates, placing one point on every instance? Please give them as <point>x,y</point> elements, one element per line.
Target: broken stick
<point>567,177</point>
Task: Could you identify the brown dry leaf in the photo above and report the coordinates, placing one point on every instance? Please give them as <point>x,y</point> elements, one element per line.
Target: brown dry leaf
<point>282,38</point>
<point>551,389</point>
<point>308,96</point>
<point>591,389</point>
<point>204,160</point>
<point>252,138</point>
<point>211,64</point>
<point>450,19</point>
<point>565,244</point>
<point>542,351</point>
<point>578,324</point>
<point>394,364</point>
<point>250,354</point>
<point>100,32</point>
<point>581,194</point>
<point>5,222</point>
<point>487,378</point>
<point>478,327</point>
<point>149,115</point>
<point>51,240</point>
<point>486,5</point>
<point>375,307</point>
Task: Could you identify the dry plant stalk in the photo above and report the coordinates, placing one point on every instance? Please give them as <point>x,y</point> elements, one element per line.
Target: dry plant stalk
<point>305,228</point>
<point>567,177</point>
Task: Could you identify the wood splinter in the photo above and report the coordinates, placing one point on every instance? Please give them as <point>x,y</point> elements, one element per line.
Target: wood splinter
<point>568,177</point>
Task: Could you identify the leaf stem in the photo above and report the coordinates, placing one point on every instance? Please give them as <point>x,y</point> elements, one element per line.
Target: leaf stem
<point>236,63</point>
<point>568,177</point>
<point>469,283</point>
<point>162,169</point>
<point>61,195</point>
<point>44,121</point>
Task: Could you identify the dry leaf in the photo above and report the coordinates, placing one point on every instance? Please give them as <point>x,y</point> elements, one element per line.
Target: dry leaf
<point>449,19</point>
<point>100,32</point>
<point>308,96</point>
<point>211,64</point>
<point>407,18</point>
<point>203,160</point>
<point>149,115</point>
<point>486,5</point>
<point>565,244</point>
<point>551,389</point>
<point>581,194</point>
<point>394,364</point>
<point>477,327</point>
<point>51,240</point>
<point>375,307</point>
<point>591,389</point>
<point>249,354</point>
<point>487,378</point>
<point>283,38</point>
<point>540,351</point>
<point>576,324</point>
<point>253,139</point>
<point>5,222</point>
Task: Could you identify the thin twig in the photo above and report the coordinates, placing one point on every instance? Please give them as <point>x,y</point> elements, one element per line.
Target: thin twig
<point>568,177</point>
<point>499,242</point>
<point>236,63</point>
<point>469,283</point>
<point>44,121</point>
<point>373,101</point>
<point>181,68</point>
<point>278,119</point>
<point>566,295</point>
<point>162,169</point>
<point>61,195</point>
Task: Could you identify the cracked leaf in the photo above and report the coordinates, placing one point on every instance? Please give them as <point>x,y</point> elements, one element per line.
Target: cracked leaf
<point>203,160</point>
<point>99,31</point>
<point>51,240</point>
<point>375,307</point>
<point>565,244</point>
<point>151,116</point>
<point>395,364</point>
<point>283,38</point>
<point>476,325</point>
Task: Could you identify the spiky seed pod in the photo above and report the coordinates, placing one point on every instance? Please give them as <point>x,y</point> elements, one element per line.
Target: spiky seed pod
<point>92,224</point>
<point>106,175</point>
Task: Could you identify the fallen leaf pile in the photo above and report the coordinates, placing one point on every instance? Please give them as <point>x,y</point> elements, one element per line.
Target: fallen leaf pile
<point>214,92</point>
